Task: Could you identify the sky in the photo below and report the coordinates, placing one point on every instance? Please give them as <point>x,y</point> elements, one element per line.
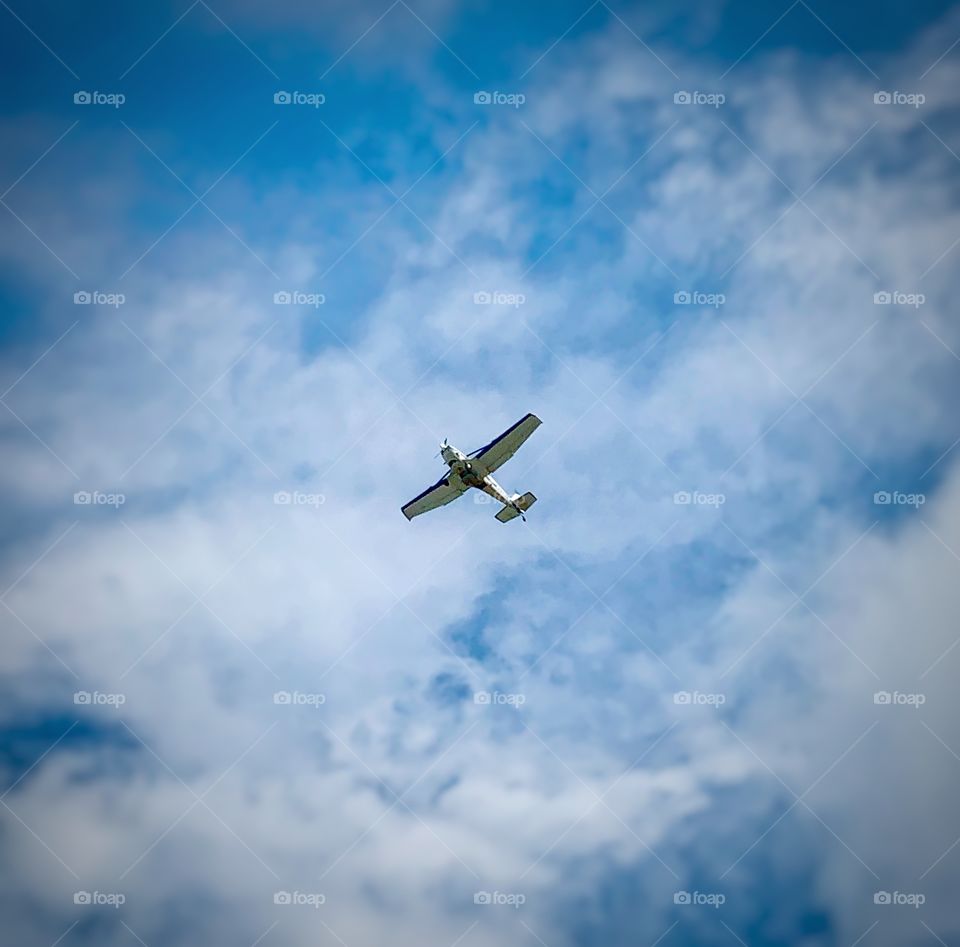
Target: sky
<point>258,260</point>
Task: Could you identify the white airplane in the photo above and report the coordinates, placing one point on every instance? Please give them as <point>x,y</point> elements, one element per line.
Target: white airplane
<point>474,470</point>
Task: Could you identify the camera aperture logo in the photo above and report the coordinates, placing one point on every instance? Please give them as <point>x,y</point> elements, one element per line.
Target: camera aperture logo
<point>692,297</point>
<point>511,899</point>
<point>484,298</point>
<point>312,899</point>
<point>99,498</point>
<point>899,699</point>
<point>296,498</point>
<point>913,99</point>
<point>115,99</point>
<point>294,297</point>
<point>298,699</point>
<point>716,99</point>
<point>313,99</point>
<point>712,899</point>
<point>111,899</point>
<point>515,99</point>
<point>897,498</point>
<point>496,698</point>
<point>85,297</point>
<point>97,699</point>
<point>698,698</point>
<point>697,498</point>
<point>910,899</point>
<point>896,298</point>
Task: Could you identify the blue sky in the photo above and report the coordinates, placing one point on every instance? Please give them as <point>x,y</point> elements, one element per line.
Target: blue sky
<point>703,696</point>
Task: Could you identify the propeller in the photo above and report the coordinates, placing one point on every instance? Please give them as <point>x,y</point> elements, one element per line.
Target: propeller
<point>443,447</point>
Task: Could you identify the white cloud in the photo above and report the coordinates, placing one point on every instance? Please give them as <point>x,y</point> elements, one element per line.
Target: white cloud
<point>347,599</point>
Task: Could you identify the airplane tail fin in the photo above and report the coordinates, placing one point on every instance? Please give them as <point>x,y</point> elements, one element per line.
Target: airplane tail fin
<point>521,505</point>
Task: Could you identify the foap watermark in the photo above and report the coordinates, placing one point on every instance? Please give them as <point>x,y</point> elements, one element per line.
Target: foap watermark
<point>296,498</point>
<point>313,99</point>
<point>915,99</point>
<point>897,498</point>
<point>711,898</point>
<point>112,899</point>
<point>97,699</point>
<point>716,99</point>
<point>114,99</point>
<point>912,899</point>
<point>85,297</point>
<point>294,297</point>
<point>896,298</point>
<point>497,698</point>
<point>699,698</point>
<point>312,899</point>
<point>484,298</point>
<point>899,699</point>
<point>481,499</point>
<point>696,498</point>
<point>99,498</point>
<point>298,699</point>
<point>511,899</point>
<point>687,297</point>
<point>515,99</point>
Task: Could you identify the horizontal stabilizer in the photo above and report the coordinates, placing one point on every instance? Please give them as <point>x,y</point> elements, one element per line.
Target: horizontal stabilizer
<point>509,512</point>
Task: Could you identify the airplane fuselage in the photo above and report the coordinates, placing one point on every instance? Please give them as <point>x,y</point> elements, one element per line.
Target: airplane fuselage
<point>472,474</point>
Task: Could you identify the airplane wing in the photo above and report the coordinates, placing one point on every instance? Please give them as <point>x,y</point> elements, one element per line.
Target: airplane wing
<point>502,448</point>
<point>441,493</point>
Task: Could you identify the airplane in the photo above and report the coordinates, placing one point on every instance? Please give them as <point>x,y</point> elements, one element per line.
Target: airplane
<point>475,470</point>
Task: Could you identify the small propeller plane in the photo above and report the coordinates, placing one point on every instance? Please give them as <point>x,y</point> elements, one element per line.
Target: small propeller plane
<point>475,470</point>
